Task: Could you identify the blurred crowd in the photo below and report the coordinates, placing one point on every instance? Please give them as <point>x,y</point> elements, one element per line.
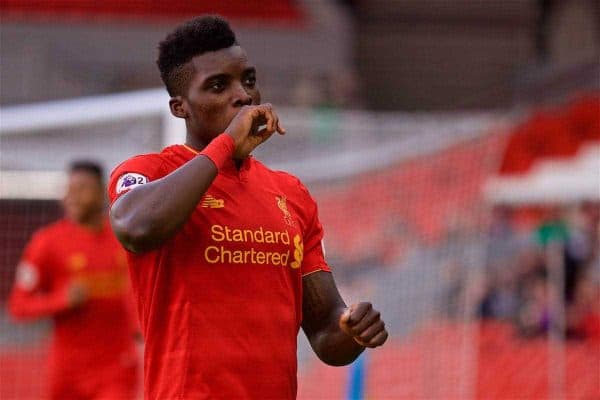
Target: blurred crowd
<point>545,277</point>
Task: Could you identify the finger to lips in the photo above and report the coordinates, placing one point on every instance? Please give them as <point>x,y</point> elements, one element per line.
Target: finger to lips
<point>276,127</point>
<point>272,124</point>
<point>259,118</point>
<point>266,107</point>
<point>279,127</point>
<point>256,113</point>
<point>268,125</point>
<point>275,121</point>
<point>266,119</point>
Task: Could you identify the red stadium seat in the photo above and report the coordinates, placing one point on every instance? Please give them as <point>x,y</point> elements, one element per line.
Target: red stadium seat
<point>553,133</point>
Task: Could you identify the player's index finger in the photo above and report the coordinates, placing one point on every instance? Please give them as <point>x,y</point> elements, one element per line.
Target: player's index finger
<point>267,111</point>
<point>261,112</point>
<point>269,115</point>
<point>264,108</point>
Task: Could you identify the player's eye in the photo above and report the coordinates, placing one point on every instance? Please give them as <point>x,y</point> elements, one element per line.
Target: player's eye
<point>250,81</point>
<point>217,86</point>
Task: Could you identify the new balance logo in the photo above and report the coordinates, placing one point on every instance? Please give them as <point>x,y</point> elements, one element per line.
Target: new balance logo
<point>210,202</point>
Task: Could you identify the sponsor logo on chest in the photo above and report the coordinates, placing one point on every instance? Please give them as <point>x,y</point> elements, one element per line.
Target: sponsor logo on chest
<point>253,246</point>
<point>230,245</point>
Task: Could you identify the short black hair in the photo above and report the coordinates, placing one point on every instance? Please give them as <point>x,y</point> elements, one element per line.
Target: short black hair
<point>88,166</point>
<point>197,36</point>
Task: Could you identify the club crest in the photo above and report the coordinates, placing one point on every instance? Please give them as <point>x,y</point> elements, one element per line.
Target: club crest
<point>282,204</point>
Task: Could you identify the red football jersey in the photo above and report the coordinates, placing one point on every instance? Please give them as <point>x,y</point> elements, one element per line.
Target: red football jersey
<point>221,302</point>
<point>93,350</point>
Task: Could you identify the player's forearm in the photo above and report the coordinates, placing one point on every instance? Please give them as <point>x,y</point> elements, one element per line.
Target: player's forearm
<point>335,347</point>
<point>151,214</point>
<point>322,308</point>
<point>337,334</point>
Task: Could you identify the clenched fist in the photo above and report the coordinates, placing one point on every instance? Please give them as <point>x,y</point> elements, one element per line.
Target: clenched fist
<point>364,324</point>
<point>244,128</point>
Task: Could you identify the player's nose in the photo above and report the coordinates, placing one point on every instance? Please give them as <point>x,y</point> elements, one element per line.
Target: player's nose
<point>241,96</point>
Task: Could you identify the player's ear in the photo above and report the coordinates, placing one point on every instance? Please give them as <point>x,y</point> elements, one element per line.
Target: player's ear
<point>177,107</point>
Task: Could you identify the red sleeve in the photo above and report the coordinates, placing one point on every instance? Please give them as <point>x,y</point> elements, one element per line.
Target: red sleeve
<point>134,172</point>
<point>314,255</point>
<point>35,292</point>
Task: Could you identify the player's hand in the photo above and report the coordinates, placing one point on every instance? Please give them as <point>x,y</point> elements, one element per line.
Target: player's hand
<point>363,323</point>
<point>77,294</point>
<point>245,128</point>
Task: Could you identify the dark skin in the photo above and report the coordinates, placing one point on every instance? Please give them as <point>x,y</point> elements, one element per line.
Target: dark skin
<point>222,96</point>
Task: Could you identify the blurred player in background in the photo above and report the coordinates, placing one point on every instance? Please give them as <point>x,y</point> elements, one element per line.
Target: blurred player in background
<point>225,254</point>
<point>75,272</point>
